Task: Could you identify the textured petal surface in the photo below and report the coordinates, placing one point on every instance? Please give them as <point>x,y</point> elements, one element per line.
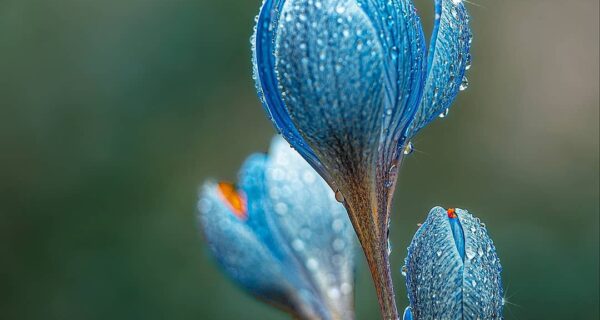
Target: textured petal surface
<point>448,59</point>
<point>330,69</point>
<point>434,270</point>
<point>407,314</point>
<point>350,73</point>
<point>295,249</point>
<point>314,225</point>
<point>482,284</point>
<point>263,60</point>
<point>239,251</point>
<point>350,76</point>
<point>401,37</point>
<point>443,285</point>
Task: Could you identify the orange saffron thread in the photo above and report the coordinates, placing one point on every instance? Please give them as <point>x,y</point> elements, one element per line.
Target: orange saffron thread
<point>235,200</point>
<point>451,213</point>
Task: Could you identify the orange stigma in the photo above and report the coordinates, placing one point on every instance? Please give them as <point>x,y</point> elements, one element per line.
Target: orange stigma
<point>235,200</point>
<point>451,213</point>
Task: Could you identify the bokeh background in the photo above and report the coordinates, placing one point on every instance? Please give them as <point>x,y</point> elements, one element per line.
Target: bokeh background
<point>113,112</point>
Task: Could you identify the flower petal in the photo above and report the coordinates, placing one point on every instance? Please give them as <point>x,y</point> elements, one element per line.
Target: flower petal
<point>434,270</point>
<point>329,63</point>
<point>448,59</point>
<point>304,297</point>
<point>314,225</point>
<point>444,284</point>
<point>407,314</point>
<point>350,76</point>
<point>267,87</point>
<point>482,270</point>
<point>237,249</point>
<point>293,245</point>
<point>401,36</point>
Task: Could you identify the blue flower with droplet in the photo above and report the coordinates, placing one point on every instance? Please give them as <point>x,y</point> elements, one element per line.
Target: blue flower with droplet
<point>282,236</point>
<point>452,269</point>
<point>348,83</point>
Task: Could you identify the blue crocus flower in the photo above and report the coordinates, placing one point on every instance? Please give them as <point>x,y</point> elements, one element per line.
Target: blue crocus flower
<point>282,236</point>
<point>348,83</point>
<point>452,269</point>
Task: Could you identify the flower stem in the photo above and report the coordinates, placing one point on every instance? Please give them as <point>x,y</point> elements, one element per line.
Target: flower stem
<point>372,234</point>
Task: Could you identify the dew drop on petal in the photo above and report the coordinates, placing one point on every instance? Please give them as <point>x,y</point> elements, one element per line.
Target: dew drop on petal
<point>408,148</point>
<point>470,253</point>
<point>464,84</point>
<point>346,288</point>
<point>444,113</point>
<point>312,264</point>
<point>339,196</point>
<point>337,225</point>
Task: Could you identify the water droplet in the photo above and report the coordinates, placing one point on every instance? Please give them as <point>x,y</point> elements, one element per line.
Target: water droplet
<point>480,251</point>
<point>439,253</point>
<point>339,196</point>
<point>346,288</point>
<point>298,245</point>
<point>333,293</point>
<point>408,148</point>
<point>337,259</point>
<point>464,84</point>
<point>340,9</point>
<point>468,63</point>
<point>337,225</point>
<point>404,270</point>
<point>338,244</point>
<point>281,208</point>
<point>312,264</point>
<point>470,253</point>
<point>444,113</point>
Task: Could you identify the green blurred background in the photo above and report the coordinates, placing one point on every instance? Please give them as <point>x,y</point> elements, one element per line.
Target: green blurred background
<point>113,112</point>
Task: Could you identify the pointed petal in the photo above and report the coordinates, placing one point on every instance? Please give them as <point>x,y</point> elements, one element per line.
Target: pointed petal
<point>482,281</point>
<point>267,86</point>
<point>237,249</point>
<point>407,314</point>
<point>434,270</point>
<point>330,69</point>
<point>252,183</point>
<point>350,75</point>
<point>401,37</point>
<point>304,298</point>
<point>293,223</point>
<point>443,284</point>
<point>314,225</point>
<point>448,59</point>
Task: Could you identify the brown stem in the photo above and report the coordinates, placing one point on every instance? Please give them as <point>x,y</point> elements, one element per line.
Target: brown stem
<point>372,234</point>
